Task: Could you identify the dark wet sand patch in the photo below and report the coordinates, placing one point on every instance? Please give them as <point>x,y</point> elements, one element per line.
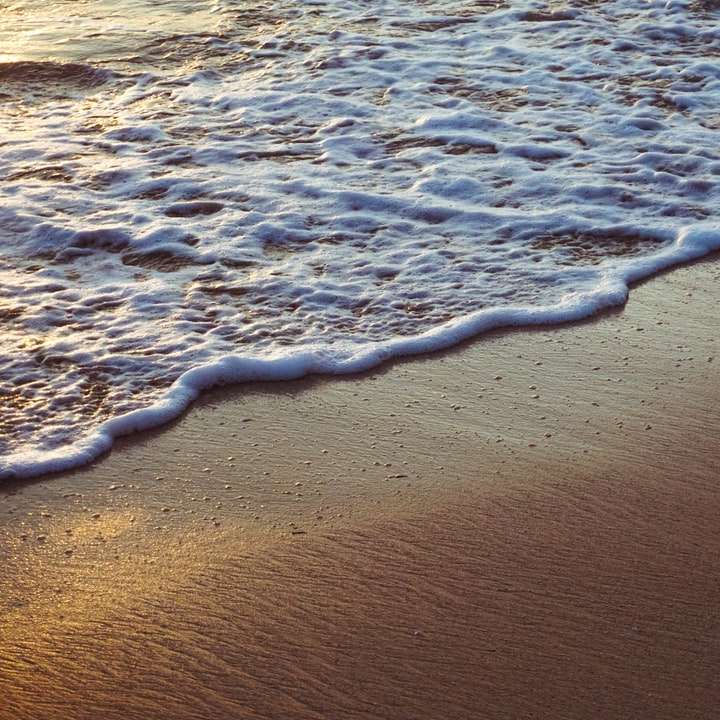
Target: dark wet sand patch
<point>193,209</point>
<point>592,247</point>
<point>158,260</point>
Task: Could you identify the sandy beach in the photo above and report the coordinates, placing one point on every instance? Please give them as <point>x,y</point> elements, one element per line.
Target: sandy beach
<point>523,527</point>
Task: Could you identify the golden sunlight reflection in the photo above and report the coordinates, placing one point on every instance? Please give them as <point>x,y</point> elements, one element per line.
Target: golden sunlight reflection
<point>94,30</point>
<point>86,564</point>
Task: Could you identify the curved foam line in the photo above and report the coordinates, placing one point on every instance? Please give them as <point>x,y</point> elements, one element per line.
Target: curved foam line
<point>691,244</point>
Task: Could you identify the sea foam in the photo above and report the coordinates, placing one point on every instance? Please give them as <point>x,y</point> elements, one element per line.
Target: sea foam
<point>297,188</point>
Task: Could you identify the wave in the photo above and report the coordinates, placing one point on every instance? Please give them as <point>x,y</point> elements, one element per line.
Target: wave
<point>289,188</point>
<point>49,73</point>
<point>691,244</point>
<point>34,81</point>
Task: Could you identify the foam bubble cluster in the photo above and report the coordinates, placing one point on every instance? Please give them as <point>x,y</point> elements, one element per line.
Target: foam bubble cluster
<point>287,187</point>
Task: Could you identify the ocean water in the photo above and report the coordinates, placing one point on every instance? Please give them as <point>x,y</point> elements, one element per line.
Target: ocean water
<point>201,192</point>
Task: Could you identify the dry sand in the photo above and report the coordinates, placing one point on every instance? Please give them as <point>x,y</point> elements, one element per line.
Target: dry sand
<point>525,527</point>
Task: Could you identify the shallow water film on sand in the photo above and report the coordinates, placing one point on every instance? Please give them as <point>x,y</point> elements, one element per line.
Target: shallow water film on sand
<point>264,189</point>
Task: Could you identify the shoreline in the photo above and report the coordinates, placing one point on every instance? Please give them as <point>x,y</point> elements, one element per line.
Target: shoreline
<point>483,528</point>
<point>689,248</point>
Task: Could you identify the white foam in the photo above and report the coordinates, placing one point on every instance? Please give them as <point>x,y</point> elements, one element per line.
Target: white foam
<point>317,187</point>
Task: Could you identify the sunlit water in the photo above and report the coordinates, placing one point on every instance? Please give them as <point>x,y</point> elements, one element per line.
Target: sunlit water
<point>195,192</point>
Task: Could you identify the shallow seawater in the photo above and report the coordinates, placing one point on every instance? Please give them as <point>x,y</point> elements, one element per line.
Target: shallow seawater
<point>196,192</point>
<point>98,31</point>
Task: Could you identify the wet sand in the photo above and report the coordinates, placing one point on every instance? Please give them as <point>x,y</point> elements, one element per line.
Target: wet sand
<point>525,527</point>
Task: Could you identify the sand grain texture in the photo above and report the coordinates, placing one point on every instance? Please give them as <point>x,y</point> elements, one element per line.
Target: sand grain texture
<point>523,528</point>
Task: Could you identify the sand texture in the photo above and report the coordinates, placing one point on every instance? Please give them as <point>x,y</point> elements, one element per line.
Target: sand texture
<point>525,527</point>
